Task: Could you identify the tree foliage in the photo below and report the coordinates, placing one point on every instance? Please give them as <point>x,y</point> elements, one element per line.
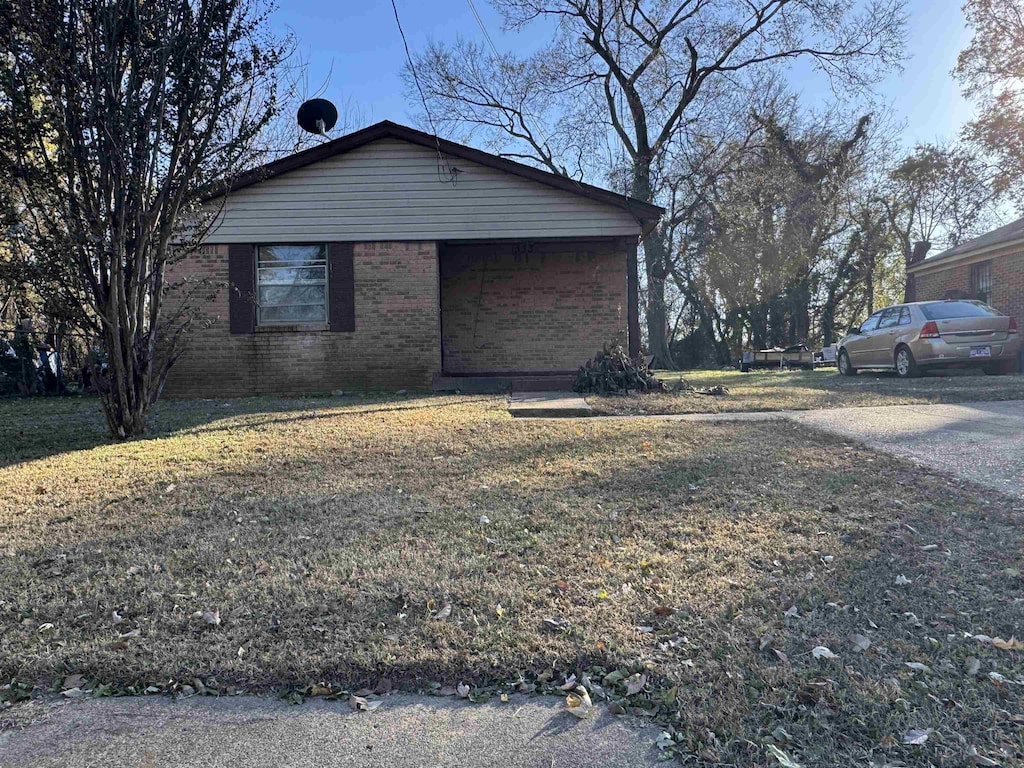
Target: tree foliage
<point>117,116</point>
<point>629,82</point>
<point>991,71</point>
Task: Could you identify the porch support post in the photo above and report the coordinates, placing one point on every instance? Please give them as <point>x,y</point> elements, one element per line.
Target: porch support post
<point>632,298</point>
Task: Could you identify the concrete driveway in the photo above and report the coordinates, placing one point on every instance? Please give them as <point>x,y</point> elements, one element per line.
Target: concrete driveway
<point>256,732</point>
<point>980,442</point>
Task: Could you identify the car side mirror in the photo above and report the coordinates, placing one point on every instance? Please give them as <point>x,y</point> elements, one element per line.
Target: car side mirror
<point>854,330</point>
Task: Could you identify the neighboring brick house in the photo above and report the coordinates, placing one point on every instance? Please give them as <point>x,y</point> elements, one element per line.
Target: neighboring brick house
<point>989,268</point>
<point>390,259</point>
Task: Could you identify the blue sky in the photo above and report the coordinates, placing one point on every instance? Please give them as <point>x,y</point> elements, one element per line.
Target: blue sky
<point>362,42</point>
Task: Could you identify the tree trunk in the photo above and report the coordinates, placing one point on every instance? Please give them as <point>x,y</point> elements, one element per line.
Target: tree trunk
<point>657,314</point>
<point>656,271</point>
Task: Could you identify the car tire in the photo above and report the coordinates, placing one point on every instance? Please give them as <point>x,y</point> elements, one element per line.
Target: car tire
<point>906,365</point>
<point>1002,368</point>
<point>843,363</point>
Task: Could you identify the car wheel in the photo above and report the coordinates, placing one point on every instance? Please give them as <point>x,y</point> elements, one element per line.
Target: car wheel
<point>845,366</point>
<point>906,365</point>
<point>1002,368</point>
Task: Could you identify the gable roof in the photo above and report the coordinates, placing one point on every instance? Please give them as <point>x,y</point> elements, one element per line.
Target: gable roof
<point>387,129</point>
<point>1004,235</point>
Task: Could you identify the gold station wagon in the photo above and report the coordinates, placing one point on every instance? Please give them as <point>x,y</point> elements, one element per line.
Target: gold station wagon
<point>908,338</point>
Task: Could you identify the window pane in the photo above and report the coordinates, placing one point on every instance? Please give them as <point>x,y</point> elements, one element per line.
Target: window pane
<point>292,255</point>
<point>945,310</point>
<point>277,295</point>
<point>312,313</point>
<point>289,275</point>
<point>890,318</point>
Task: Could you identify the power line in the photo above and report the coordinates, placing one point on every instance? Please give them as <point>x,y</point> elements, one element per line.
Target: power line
<point>423,99</point>
<point>483,28</point>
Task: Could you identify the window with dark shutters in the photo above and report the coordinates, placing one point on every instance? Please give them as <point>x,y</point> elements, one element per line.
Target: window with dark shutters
<point>341,304</point>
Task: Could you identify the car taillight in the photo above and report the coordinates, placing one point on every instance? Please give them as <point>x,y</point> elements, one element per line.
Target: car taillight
<point>1013,325</point>
<point>929,330</point>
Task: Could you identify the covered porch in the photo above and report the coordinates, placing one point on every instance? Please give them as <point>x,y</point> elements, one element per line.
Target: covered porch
<point>522,315</point>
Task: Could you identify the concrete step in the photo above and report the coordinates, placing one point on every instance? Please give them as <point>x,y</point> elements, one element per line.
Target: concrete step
<point>548,405</point>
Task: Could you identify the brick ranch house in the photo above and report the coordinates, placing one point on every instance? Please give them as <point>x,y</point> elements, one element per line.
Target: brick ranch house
<point>989,268</point>
<point>390,259</point>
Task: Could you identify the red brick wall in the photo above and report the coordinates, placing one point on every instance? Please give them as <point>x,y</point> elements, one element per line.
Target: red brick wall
<point>1007,283</point>
<point>395,345</point>
<point>530,307</point>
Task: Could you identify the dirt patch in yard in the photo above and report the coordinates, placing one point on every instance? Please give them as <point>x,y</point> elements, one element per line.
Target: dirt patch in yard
<point>803,390</point>
<point>433,540</point>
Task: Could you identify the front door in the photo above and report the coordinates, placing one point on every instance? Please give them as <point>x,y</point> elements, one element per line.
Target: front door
<point>883,339</point>
<point>859,347</point>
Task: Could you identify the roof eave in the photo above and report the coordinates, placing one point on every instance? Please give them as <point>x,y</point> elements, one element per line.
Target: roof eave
<point>943,260</point>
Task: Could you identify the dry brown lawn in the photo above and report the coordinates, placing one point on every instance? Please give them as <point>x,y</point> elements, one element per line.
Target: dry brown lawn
<point>801,390</point>
<point>330,536</point>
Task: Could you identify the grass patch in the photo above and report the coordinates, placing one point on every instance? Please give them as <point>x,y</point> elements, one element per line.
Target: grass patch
<point>803,390</point>
<point>327,534</point>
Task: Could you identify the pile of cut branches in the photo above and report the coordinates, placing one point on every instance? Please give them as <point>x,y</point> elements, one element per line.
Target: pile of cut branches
<point>613,372</point>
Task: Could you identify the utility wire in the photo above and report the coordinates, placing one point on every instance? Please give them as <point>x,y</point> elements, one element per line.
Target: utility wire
<point>430,119</point>
<point>483,28</point>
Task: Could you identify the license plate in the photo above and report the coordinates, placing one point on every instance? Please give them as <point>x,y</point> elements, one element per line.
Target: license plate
<point>981,351</point>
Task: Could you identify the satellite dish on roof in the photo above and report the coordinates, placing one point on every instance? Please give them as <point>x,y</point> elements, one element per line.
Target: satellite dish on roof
<point>317,116</point>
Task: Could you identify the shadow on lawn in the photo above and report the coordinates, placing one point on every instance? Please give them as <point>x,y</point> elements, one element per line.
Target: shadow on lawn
<point>737,687</point>
<point>36,428</point>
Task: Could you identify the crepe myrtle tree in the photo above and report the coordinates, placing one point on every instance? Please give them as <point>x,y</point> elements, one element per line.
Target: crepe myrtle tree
<point>118,116</point>
<point>636,75</point>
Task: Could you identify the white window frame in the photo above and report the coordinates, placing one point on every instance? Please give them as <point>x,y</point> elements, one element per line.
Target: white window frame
<point>325,282</point>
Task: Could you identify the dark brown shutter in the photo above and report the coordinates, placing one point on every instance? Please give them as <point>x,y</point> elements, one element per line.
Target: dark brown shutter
<point>242,288</point>
<point>342,292</point>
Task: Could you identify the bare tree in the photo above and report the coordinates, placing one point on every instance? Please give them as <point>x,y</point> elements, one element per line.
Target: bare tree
<point>938,196</point>
<point>639,73</point>
<point>119,115</point>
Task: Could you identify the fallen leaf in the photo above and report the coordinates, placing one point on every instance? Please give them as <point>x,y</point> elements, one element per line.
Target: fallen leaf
<point>663,610</point>
<point>821,652</point>
<point>917,666</point>
<point>359,704</point>
<point>73,693</point>
<point>971,666</point>
<point>783,759</point>
<point>902,581</point>
<point>499,611</point>
<point>484,519</point>
<point>1013,644</point>
<point>616,709</point>
<point>579,703</point>
<point>212,617</point>
<point>462,691</point>
<point>130,633</point>
<point>791,612</point>
<point>635,683</point>
<point>917,736</point>
<point>444,613</point>
<point>860,642</point>
<point>569,684</point>
<point>73,681</point>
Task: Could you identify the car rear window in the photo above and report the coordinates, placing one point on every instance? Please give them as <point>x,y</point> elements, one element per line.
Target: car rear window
<point>946,310</point>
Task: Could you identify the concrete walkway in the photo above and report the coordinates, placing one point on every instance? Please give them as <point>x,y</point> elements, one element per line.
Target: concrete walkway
<point>980,442</point>
<point>254,732</point>
<point>548,405</point>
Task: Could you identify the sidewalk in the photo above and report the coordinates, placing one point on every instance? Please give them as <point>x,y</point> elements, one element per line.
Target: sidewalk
<point>254,732</point>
